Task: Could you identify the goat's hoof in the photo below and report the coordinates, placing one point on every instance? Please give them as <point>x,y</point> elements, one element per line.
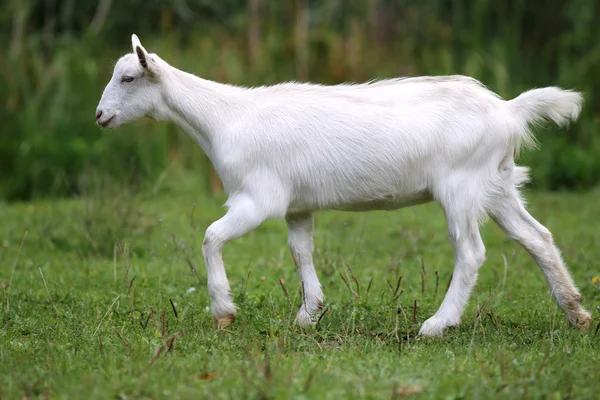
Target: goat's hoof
<point>304,318</point>
<point>582,320</point>
<point>309,316</point>
<point>224,322</point>
<point>434,327</point>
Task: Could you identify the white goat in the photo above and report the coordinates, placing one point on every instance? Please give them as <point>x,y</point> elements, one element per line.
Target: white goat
<point>288,150</point>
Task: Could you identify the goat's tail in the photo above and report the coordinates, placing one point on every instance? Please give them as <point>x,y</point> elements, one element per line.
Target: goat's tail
<point>538,105</point>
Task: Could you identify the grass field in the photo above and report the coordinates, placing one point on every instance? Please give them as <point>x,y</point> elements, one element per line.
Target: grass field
<point>98,302</point>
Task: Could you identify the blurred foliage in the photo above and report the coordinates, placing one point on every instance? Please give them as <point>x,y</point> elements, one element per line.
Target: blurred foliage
<point>57,56</point>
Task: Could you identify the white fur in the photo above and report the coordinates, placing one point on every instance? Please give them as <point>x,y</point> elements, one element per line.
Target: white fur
<point>288,150</point>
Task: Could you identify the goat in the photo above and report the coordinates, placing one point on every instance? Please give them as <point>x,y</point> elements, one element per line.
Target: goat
<point>289,150</point>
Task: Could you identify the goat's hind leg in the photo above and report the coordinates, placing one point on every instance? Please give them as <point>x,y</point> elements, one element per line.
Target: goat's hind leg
<point>511,215</point>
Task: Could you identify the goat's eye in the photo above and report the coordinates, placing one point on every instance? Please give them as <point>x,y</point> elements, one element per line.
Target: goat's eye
<point>127,79</point>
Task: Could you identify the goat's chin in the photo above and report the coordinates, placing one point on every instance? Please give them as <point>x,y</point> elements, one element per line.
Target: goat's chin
<point>113,124</point>
<point>109,123</point>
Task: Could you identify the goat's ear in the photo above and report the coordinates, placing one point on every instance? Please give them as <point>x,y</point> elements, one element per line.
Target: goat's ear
<point>142,56</point>
<point>145,60</point>
<point>135,43</point>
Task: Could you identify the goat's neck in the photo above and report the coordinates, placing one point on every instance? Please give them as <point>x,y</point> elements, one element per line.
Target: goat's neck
<point>198,106</point>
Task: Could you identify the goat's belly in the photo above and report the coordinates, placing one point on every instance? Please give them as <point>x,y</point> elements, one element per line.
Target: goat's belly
<point>385,203</point>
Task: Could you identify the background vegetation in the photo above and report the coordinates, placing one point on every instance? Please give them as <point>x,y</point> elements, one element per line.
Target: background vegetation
<point>57,56</point>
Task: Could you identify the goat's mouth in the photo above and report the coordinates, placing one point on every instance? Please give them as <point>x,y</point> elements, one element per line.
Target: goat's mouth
<point>104,123</point>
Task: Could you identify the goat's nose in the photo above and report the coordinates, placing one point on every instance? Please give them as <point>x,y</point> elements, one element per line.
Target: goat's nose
<point>98,114</point>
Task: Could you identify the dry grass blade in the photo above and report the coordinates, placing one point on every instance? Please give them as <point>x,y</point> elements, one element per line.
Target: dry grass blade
<point>6,325</point>
<point>437,282</point>
<point>193,268</point>
<point>395,295</point>
<point>478,316</point>
<point>174,309</point>
<point>130,284</point>
<point>423,277</point>
<point>348,285</point>
<point>14,267</point>
<point>480,311</point>
<point>125,343</point>
<point>390,285</point>
<point>106,313</point>
<point>492,319</point>
<point>368,289</point>
<point>163,323</point>
<point>125,254</point>
<point>354,279</point>
<point>171,342</point>
<point>322,315</point>
<point>285,291</point>
<point>192,225</point>
<point>157,354</point>
<point>414,307</point>
<point>401,311</point>
<point>115,263</point>
<point>246,282</point>
<point>145,324</point>
<point>48,291</point>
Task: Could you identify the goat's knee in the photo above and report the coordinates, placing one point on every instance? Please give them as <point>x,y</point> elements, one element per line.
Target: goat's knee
<point>478,256</point>
<point>538,241</point>
<point>545,236</point>
<point>212,239</point>
<point>473,259</point>
<point>527,231</point>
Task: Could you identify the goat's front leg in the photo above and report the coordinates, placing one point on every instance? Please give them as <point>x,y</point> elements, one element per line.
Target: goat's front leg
<point>244,215</point>
<point>300,241</point>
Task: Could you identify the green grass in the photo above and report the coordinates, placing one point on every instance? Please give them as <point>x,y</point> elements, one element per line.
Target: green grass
<point>99,324</point>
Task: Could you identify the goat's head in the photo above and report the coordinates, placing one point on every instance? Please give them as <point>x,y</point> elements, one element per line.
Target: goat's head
<point>134,89</point>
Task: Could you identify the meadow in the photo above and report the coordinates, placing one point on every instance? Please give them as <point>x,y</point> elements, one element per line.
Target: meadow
<point>104,296</point>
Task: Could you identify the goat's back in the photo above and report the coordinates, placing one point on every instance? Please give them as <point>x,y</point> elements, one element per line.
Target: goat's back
<point>346,145</point>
